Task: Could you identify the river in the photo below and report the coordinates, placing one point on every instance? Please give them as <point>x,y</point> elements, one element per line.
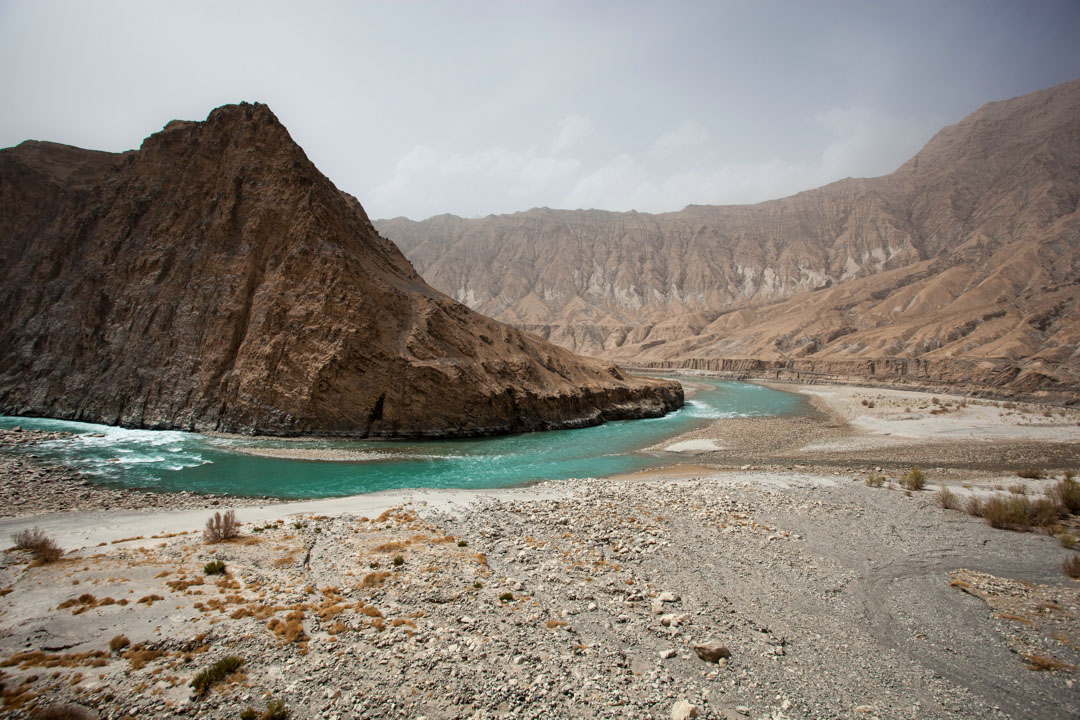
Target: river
<point>176,461</point>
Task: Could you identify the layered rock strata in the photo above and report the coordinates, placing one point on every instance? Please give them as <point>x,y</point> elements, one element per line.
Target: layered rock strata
<point>968,254</point>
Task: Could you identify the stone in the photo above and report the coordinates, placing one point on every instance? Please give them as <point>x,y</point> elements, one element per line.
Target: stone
<point>682,710</point>
<point>668,653</point>
<point>711,651</point>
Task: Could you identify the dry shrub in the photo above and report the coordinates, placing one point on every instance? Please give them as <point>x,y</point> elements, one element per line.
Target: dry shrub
<point>150,599</point>
<point>44,549</point>
<point>974,506</point>
<point>554,623</point>
<point>1031,473</point>
<point>118,643</point>
<point>60,712</point>
<point>375,579</point>
<point>1020,513</point>
<point>875,481</point>
<point>1067,492</point>
<point>1018,489</point>
<point>1042,662</point>
<point>947,499</point>
<point>1071,566</point>
<point>221,527</point>
<point>371,611</point>
<point>217,672</point>
<point>914,480</point>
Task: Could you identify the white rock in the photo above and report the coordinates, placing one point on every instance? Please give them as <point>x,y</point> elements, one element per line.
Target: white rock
<point>682,710</point>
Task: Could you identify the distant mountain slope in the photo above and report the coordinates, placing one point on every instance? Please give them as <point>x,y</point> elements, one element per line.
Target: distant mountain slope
<point>216,280</point>
<point>965,257</point>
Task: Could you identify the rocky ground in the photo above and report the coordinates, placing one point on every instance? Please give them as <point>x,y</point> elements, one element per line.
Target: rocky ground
<point>832,599</point>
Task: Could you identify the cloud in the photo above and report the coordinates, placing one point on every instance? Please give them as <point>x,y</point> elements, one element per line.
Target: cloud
<point>580,168</point>
<point>690,134</point>
<point>573,130</point>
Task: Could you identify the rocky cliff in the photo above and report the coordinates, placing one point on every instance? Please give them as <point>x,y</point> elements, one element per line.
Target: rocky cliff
<point>215,280</point>
<point>966,256</point>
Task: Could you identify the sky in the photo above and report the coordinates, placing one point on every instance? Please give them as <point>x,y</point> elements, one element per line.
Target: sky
<point>476,108</point>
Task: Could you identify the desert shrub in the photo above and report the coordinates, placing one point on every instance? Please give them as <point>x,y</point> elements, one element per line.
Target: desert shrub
<point>506,597</point>
<point>275,710</point>
<point>60,712</point>
<point>44,549</point>
<point>462,543</point>
<point>398,561</point>
<point>1020,513</point>
<point>205,679</point>
<point>1067,492</point>
<point>974,506</point>
<point>1067,540</point>
<point>1018,489</point>
<point>914,480</point>
<point>221,527</point>
<point>947,499</point>
<point>118,643</point>
<point>1031,473</point>
<point>875,481</point>
<point>1071,566</point>
<point>214,567</point>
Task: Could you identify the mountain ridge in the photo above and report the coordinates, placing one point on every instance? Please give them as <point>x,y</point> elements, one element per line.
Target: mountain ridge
<point>214,279</point>
<point>983,220</point>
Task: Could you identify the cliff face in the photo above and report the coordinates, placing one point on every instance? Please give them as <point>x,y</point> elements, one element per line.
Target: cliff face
<point>215,280</point>
<point>967,254</point>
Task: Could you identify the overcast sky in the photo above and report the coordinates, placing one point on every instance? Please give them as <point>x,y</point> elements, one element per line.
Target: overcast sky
<point>421,108</point>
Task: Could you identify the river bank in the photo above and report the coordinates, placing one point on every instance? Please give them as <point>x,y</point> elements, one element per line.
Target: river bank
<point>582,598</point>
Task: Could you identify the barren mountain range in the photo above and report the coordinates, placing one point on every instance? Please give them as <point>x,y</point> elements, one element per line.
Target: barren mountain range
<point>961,267</point>
<point>214,279</point>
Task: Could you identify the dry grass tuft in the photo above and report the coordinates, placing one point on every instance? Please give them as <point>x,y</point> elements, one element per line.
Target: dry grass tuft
<point>947,499</point>
<point>1031,473</point>
<point>914,480</point>
<point>217,672</point>
<point>1071,566</point>
<point>60,712</point>
<point>118,643</point>
<point>1067,492</point>
<point>1043,662</point>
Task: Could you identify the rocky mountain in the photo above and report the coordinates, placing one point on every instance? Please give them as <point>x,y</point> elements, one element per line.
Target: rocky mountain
<point>962,266</point>
<point>215,280</point>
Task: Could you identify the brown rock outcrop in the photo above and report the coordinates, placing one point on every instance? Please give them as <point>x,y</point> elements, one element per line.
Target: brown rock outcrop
<point>215,280</point>
<point>968,254</point>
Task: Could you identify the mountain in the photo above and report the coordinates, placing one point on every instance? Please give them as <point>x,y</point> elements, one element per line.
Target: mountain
<point>214,279</point>
<point>961,267</point>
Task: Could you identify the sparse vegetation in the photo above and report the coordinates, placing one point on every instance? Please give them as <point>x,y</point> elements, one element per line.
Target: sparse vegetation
<point>1031,473</point>
<point>221,527</point>
<point>217,672</point>
<point>1067,540</point>
<point>914,480</point>
<point>60,712</point>
<point>1067,492</point>
<point>1071,566</point>
<point>1018,512</point>
<point>947,499</point>
<point>118,643</point>
<point>875,480</point>
<point>275,710</point>
<point>43,548</point>
<point>507,597</point>
<point>214,567</point>
<point>398,561</point>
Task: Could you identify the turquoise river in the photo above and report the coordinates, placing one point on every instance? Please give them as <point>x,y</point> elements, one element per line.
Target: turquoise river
<point>176,461</point>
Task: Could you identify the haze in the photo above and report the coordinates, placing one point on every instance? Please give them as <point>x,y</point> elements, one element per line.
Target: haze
<point>472,108</point>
